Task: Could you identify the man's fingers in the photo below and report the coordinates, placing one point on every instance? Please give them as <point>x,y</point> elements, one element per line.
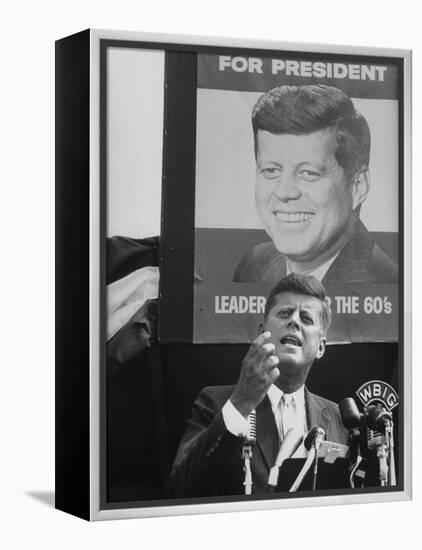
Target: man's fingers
<point>268,349</point>
<point>264,353</point>
<point>260,350</point>
<point>271,363</point>
<point>273,374</point>
<point>260,341</point>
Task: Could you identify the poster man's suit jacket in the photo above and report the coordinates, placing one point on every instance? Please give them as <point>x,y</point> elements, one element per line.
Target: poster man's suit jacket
<point>360,261</point>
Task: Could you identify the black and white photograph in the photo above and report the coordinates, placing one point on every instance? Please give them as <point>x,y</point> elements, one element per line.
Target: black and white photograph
<point>210,279</point>
<point>253,281</point>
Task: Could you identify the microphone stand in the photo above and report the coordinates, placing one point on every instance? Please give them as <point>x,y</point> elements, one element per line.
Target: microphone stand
<point>382,454</point>
<point>246,456</point>
<point>391,479</point>
<point>353,471</point>
<point>249,441</point>
<point>317,445</point>
<point>315,468</point>
<point>385,454</point>
<point>354,439</point>
<point>303,471</point>
<point>379,419</point>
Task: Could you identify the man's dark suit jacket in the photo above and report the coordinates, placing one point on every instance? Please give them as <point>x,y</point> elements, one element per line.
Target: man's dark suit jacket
<point>360,261</point>
<point>208,461</point>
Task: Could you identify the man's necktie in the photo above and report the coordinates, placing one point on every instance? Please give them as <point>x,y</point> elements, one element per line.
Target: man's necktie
<point>288,410</point>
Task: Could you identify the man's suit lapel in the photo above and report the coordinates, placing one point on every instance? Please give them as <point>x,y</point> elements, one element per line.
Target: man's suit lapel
<point>266,432</point>
<point>352,264</point>
<point>316,412</point>
<point>268,439</point>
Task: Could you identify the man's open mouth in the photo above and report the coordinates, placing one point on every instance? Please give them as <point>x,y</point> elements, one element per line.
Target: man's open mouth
<point>293,217</point>
<point>292,340</point>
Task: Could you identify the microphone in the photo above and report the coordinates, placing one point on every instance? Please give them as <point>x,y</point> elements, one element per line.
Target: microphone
<point>314,438</point>
<point>288,447</point>
<point>380,437</point>
<point>248,443</point>
<point>312,443</point>
<point>251,437</point>
<point>350,415</point>
<point>378,418</point>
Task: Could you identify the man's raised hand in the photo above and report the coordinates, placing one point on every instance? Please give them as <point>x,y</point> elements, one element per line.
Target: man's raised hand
<point>259,370</point>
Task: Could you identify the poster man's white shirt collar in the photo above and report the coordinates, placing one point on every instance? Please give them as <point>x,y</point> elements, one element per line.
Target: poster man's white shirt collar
<point>319,272</point>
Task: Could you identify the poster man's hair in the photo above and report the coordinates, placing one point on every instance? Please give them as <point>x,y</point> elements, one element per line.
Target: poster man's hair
<point>304,109</point>
<point>302,284</point>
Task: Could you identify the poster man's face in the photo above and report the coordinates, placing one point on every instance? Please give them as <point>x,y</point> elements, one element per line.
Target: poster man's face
<point>303,198</point>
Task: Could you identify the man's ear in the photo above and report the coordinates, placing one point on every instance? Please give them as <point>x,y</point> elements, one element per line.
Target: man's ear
<point>321,347</point>
<point>361,184</point>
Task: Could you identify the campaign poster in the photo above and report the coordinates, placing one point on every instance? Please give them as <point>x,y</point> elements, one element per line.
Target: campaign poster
<point>297,170</point>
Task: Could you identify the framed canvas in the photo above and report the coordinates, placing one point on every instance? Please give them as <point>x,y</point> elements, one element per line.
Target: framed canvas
<point>233,274</point>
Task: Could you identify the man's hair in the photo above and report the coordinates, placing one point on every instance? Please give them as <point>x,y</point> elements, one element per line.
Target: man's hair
<point>302,284</point>
<point>304,109</point>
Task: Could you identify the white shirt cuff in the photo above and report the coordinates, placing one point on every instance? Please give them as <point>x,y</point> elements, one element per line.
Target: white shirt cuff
<point>235,423</point>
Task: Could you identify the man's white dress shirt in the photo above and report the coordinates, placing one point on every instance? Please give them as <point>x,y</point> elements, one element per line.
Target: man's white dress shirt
<point>319,272</point>
<point>289,412</point>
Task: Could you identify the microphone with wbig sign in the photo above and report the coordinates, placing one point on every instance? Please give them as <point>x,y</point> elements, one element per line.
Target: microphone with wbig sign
<point>380,421</point>
<point>371,434</point>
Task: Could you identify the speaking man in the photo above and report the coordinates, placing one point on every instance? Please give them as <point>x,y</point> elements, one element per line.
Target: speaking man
<point>312,155</point>
<point>271,382</point>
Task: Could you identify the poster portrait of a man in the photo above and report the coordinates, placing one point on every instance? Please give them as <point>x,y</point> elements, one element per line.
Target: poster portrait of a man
<point>312,150</point>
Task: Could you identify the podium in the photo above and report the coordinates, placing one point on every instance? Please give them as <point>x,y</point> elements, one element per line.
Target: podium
<point>330,475</point>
